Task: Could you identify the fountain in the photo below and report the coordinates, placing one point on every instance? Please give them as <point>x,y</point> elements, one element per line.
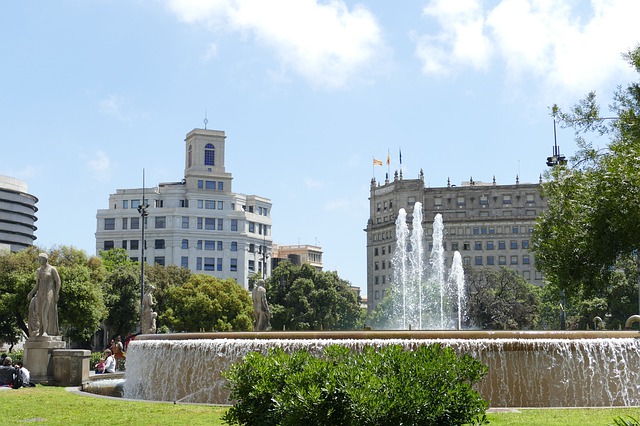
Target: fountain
<point>423,297</point>
<point>526,368</point>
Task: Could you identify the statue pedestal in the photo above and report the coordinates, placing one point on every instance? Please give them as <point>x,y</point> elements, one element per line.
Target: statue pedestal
<point>71,366</point>
<point>38,357</point>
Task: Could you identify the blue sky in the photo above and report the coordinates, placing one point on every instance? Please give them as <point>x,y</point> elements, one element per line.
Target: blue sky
<point>308,92</point>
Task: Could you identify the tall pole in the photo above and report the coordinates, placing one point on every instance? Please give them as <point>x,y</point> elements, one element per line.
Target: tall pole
<point>142,209</point>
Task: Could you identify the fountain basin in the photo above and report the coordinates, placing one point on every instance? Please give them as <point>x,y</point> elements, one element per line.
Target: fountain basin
<point>526,368</point>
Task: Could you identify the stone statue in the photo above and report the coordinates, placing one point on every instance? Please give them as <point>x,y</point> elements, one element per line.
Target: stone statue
<point>261,313</point>
<point>148,320</point>
<point>44,300</point>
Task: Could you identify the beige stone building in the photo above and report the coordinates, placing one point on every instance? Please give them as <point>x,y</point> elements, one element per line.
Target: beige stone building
<point>489,224</point>
<point>198,222</point>
<point>299,254</point>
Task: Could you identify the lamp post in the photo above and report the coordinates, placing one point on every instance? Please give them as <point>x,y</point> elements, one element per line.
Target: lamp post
<point>142,209</point>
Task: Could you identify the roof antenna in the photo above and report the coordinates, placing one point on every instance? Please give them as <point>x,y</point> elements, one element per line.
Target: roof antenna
<point>205,119</point>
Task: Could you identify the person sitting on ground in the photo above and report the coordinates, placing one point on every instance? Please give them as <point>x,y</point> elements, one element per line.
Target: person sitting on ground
<point>8,373</point>
<point>99,367</point>
<point>24,374</point>
<point>109,362</point>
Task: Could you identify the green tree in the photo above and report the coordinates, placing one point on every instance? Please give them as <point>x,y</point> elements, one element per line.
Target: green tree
<point>163,278</point>
<point>207,303</point>
<point>302,298</point>
<point>80,307</point>
<point>122,298</point>
<point>593,218</point>
<point>500,299</point>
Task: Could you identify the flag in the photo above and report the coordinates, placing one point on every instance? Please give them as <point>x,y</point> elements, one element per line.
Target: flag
<point>400,151</point>
<point>388,158</point>
<point>377,162</point>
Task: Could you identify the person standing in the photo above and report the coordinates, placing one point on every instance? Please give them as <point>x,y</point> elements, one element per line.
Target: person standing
<point>47,292</point>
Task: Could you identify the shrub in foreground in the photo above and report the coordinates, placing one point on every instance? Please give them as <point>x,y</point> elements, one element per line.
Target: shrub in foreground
<point>430,385</point>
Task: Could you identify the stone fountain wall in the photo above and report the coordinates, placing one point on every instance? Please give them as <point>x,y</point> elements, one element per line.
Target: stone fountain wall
<point>526,369</point>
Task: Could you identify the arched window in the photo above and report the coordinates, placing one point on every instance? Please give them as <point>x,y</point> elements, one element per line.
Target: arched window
<point>209,155</point>
<point>189,160</point>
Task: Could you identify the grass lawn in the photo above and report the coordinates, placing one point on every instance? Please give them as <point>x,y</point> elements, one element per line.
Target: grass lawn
<point>56,406</point>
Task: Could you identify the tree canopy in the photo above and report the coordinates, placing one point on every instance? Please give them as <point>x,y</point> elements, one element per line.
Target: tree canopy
<point>302,298</point>
<point>594,209</point>
<point>593,216</point>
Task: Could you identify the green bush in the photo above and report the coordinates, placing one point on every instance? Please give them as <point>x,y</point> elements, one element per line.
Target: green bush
<point>430,385</point>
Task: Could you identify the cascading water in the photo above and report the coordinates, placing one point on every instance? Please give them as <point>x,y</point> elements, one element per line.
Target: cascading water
<point>424,298</point>
<point>526,369</point>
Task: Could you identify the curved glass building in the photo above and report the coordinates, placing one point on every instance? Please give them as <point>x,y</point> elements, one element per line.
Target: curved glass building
<point>17,214</point>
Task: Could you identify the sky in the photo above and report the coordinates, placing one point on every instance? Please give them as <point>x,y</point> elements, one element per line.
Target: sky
<point>308,92</point>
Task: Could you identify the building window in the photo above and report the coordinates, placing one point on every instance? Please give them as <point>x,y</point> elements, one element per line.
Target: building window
<point>210,184</point>
<point>124,244</point>
<point>125,204</point>
<point>252,227</point>
<point>185,222</point>
<point>525,244</point>
<point>189,157</point>
<point>161,222</point>
<point>209,264</point>
<point>484,200</point>
<point>109,224</point>
<point>209,245</point>
<point>252,266</point>
<point>135,204</point>
<point>476,230</point>
<point>198,264</point>
<point>502,245</point>
<point>478,261</point>
<point>234,245</point>
<point>134,245</point>
<point>209,155</point>
<point>233,267</point>
<point>210,224</point>
<point>200,184</point>
<point>159,260</point>
<point>530,198</point>
<point>184,262</point>
<point>199,245</point>
<point>514,245</point>
<point>234,224</point>
<point>490,260</point>
<point>219,264</point>
<point>185,244</point>
<point>466,246</point>
<point>159,244</point>
<point>220,205</point>
<point>219,245</point>
<point>108,245</point>
<point>461,201</point>
<point>514,260</point>
<point>437,201</point>
<point>220,186</point>
<point>220,225</point>
<point>210,204</point>
<point>525,259</point>
<point>199,223</point>
<point>478,245</point>
<point>125,223</point>
<point>502,260</point>
<point>135,223</point>
<point>506,199</point>
<point>514,229</point>
<point>490,245</point>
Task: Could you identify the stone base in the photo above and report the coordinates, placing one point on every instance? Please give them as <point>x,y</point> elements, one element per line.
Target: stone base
<point>71,366</point>
<point>38,357</point>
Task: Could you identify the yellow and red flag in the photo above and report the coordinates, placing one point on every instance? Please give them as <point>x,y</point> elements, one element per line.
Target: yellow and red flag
<point>377,162</point>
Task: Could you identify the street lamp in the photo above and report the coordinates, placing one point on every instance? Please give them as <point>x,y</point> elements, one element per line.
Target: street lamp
<point>142,209</point>
<point>556,158</point>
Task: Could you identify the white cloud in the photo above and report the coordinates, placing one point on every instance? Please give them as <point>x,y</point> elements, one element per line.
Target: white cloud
<point>325,42</point>
<point>112,105</point>
<point>313,183</point>
<point>100,166</point>
<point>575,46</point>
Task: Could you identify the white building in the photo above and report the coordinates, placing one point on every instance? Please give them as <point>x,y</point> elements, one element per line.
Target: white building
<point>198,223</point>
